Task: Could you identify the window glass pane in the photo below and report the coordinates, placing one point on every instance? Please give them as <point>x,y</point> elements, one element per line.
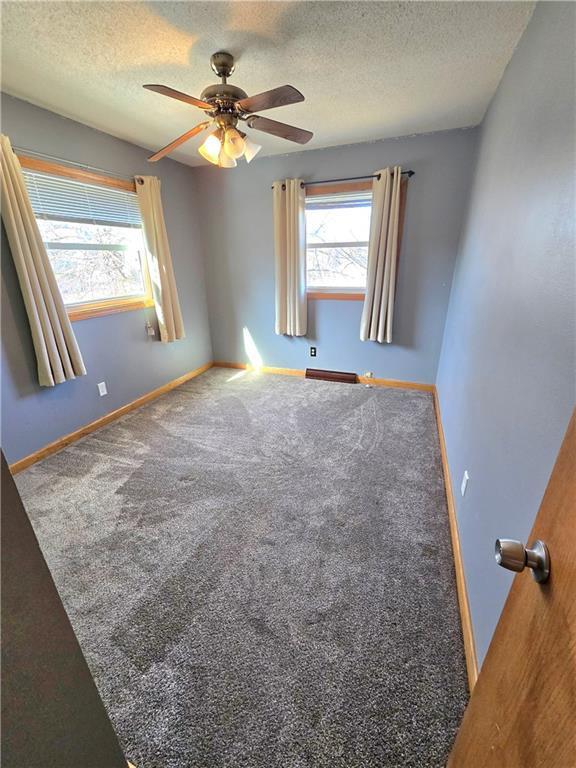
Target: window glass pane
<point>93,262</point>
<point>337,267</point>
<point>338,225</point>
<point>337,235</point>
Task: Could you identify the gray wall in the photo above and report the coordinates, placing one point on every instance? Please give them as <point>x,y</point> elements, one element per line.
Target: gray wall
<point>238,238</point>
<point>116,348</point>
<point>506,377</point>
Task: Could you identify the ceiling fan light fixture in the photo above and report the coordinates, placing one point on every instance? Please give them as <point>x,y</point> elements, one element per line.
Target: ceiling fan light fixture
<point>233,143</point>
<point>211,148</point>
<point>224,160</point>
<point>251,149</point>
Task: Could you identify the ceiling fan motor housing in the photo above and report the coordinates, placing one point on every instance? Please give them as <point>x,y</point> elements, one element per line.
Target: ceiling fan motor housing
<point>223,92</point>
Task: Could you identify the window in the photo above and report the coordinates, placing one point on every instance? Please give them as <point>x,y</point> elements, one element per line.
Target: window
<point>337,233</point>
<point>94,240</point>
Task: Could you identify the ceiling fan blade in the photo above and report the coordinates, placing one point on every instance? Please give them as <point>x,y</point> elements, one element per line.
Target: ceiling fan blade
<point>166,91</point>
<point>180,140</point>
<point>284,131</point>
<point>277,97</point>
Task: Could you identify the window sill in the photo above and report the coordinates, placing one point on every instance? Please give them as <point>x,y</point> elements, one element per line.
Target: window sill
<point>336,296</point>
<point>100,308</point>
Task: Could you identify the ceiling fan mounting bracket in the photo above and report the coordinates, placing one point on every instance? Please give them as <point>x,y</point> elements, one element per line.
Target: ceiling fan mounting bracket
<point>222,63</point>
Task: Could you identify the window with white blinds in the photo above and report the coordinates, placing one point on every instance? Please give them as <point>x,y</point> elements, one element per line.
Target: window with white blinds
<point>93,237</point>
<point>55,197</point>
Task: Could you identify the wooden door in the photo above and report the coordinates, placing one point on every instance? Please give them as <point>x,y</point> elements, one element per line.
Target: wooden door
<point>522,713</point>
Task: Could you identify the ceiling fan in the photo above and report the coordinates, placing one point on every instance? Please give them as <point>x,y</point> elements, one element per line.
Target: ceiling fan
<point>226,105</point>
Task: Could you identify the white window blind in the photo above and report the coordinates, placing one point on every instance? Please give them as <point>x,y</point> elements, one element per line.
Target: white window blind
<point>61,199</point>
<point>343,200</point>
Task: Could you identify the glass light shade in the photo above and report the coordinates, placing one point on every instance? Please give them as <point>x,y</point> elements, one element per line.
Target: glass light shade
<point>211,147</point>
<point>225,161</point>
<point>233,143</point>
<point>251,149</point>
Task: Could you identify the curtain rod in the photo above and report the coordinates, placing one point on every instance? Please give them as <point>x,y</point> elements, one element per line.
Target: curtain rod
<point>354,178</point>
<point>43,156</point>
<point>351,178</point>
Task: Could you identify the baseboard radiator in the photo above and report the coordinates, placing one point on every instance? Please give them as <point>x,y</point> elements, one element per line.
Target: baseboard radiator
<point>341,376</point>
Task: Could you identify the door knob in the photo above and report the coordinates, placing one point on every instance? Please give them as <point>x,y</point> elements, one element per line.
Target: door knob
<point>515,556</point>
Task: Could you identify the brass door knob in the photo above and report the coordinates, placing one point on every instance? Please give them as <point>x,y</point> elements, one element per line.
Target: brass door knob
<point>513,555</point>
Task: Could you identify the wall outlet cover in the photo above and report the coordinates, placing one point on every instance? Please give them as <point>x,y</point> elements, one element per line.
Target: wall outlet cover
<point>464,484</point>
<point>312,351</point>
<point>102,388</point>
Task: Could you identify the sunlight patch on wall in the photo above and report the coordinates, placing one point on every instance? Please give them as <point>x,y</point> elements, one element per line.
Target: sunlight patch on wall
<point>252,352</point>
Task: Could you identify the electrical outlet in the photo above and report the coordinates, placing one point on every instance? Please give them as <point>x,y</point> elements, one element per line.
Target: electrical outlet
<point>464,484</point>
<point>102,388</point>
<point>150,329</point>
<point>312,351</point>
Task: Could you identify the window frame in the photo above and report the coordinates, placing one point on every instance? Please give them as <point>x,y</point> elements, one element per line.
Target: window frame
<point>337,293</point>
<point>88,309</point>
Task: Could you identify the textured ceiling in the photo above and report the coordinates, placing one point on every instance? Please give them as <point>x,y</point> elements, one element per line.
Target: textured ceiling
<point>368,70</point>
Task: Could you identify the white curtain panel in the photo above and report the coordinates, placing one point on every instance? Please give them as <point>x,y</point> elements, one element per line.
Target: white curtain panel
<point>290,249</point>
<point>57,354</point>
<point>160,266</point>
<point>378,311</point>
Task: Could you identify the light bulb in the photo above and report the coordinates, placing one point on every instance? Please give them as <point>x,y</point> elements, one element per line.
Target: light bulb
<point>233,143</point>
<point>251,149</point>
<point>211,147</point>
<point>225,161</point>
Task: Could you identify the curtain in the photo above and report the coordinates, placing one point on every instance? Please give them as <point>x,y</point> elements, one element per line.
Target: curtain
<point>57,354</point>
<point>160,266</point>
<point>290,251</point>
<point>378,311</point>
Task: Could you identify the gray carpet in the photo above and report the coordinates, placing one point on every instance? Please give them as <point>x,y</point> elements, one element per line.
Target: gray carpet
<point>259,571</point>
